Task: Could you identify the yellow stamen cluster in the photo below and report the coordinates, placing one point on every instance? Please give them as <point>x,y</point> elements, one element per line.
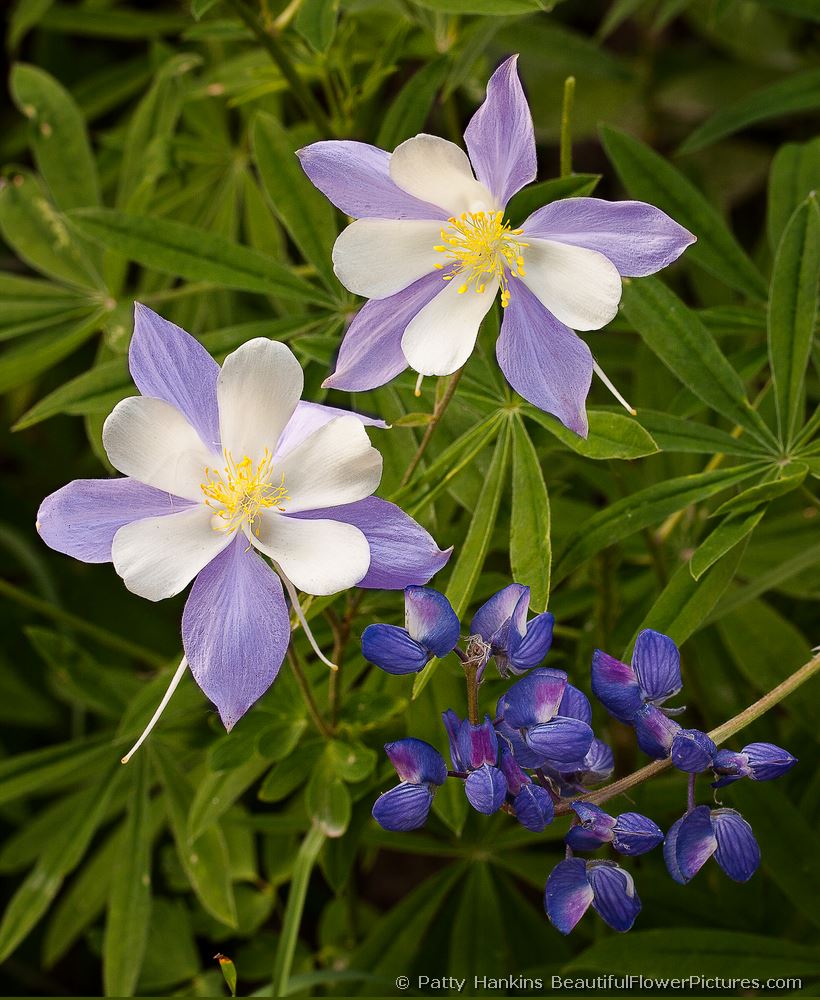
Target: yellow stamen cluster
<point>238,493</point>
<point>482,246</point>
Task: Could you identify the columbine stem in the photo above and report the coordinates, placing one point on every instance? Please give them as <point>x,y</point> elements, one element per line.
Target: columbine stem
<point>307,694</point>
<point>566,127</point>
<point>438,413</point>
<point>279,55</point>
<point>183,666</point>
<point>719,735</point>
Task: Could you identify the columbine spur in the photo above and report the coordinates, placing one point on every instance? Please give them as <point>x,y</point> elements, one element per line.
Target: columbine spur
<point>432,245</point>
<point>223,465</point>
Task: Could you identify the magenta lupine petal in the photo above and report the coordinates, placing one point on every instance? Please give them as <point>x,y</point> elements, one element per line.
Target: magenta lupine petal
<point>655,731</point>
<point>416,761</point>
<point>309,417</point>
<point>169,364</point>
<point>477,744</point>
<point>535,699</point>
<point>638,238</point>
<point>429,618</point>
<point>235,629</point>
<point>615,685</point>
<point>371,353</point>
<point>81,518</point>
<point>568,894</point>
<point>355,176</point>
<point>401,551</point>
<point>500,137</point>
<point>544,361</point>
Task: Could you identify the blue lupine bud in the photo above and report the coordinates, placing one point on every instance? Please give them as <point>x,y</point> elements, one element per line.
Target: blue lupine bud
<point>421,769</point>
<point>630,833</point>
<point>594,827</point>
<point>486,789</point>
<point>653,677</point>
<point>758,761</point>
<point>702,832</point>
<point>574,884</point>
<point>655,731</point>
<point>516,644</point>
<point>452,724</point>
<point>431,629</point>
<point>692,751</point>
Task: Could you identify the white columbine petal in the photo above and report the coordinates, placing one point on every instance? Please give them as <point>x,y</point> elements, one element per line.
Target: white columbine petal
<point>580,287</point>
<point>257,391</point>
<point>335,465</point>
<point>442,335</point>
<point>318,557</point>
<point>438,171</point>
<point>151,441</point>
<point>379,257</point>
<point>159,556</point>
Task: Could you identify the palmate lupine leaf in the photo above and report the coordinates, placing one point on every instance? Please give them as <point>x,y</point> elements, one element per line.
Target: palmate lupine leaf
<point>611,435</point>
<point>794,174</point>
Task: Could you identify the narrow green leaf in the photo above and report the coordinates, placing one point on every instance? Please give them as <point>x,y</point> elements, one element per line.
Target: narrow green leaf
<point>611,435</point>
<point>59,139</point>
<point>39,234</point>
<point>316,22</point>
<point>797,92</point>
<point>25,361</point>
<point>129,905</point>
<point>205,858</point>
<point>793,304</point>
<point>530,545</point>
<point>24,17</point>
<point>305,213</point>
<point>642,509</point>
<point>725,537</point>
<point>794,174</point>
<point>473,551</point>
<point>328,802</point>
<point>679,434</point>
<point>200,7</point>
<point>497,7</point>
<point>42,770</point>
<point>121,22</point>
<point>650,177</point>
<point>535,196</point>
<point>690,352</point>
<point>409,111</point>
<point>187,252</point>
<point>217,792</point>
<point>763,493</point>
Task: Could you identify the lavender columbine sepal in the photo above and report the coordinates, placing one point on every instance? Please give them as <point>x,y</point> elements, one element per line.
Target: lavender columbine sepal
<point>421,769</point>
<point>431,248</point>
<point>630,833</point>
<point>431,628</point>
<point>516,644</point>
<point>704,832</point>
<point>574,884</point>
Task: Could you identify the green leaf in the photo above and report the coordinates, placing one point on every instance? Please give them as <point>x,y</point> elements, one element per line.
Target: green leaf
<point>205,858</point>
<point>679,434</point>
<point>530,546</point>
<point>200,7</point>
<point>25,361</point>
<point>474,549</point>
<point>187,252</point>
<point>38,233</point>
<point>793,303</point>
<point>535,196</point>
<point>316,22</point>
<point>794,174</point>
<point>328,802</point>
<point>409,111</point>
<point>352,762</point>
<point>42,770</point>
<point>217,792</point>
<point>690,352</point>
<point>611,435</point>
<point>66,849</point>
<point>129,905</point>
<point>642,509</point>
<point>60,143</point>
<point>725,537</point>
<point>797,92</point>
<point>24,17</point>
<point>650,177</point>
<point>305,213</point>
<point>762,493</point>
<point>121,23</point>
<point>707,952</point>
<point>769,580</point>
<point>498,7</point>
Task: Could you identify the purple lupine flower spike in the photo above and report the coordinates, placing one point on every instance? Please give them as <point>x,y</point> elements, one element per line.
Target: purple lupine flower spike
<point>421,769</point>
<point>575,884</point>
<point>224,466</point>
<point>431,629</point>
<point>516,644</point>
<point>692,751</point>
<point>704,832</point>
<point>431,247</point>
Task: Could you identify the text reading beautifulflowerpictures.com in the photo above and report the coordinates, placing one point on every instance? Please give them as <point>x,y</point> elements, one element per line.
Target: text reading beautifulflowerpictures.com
<point>608,981</point>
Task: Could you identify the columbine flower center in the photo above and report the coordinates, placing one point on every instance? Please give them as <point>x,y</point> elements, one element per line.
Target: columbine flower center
<point>482,246</point>
<point>241,490</point>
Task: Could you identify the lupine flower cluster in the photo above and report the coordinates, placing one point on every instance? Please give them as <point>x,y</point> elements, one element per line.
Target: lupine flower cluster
<point>538,756</point>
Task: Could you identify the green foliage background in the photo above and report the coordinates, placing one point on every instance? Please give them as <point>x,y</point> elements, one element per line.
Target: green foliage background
<point>148,154</point>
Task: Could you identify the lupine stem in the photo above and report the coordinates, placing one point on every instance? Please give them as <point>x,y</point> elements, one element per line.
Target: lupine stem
<point>719,735</point>
<point>690,792</point>
<point>279,55</point>
<point>438,413</point>
<point>566,127</point>
<point>471,673</point>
